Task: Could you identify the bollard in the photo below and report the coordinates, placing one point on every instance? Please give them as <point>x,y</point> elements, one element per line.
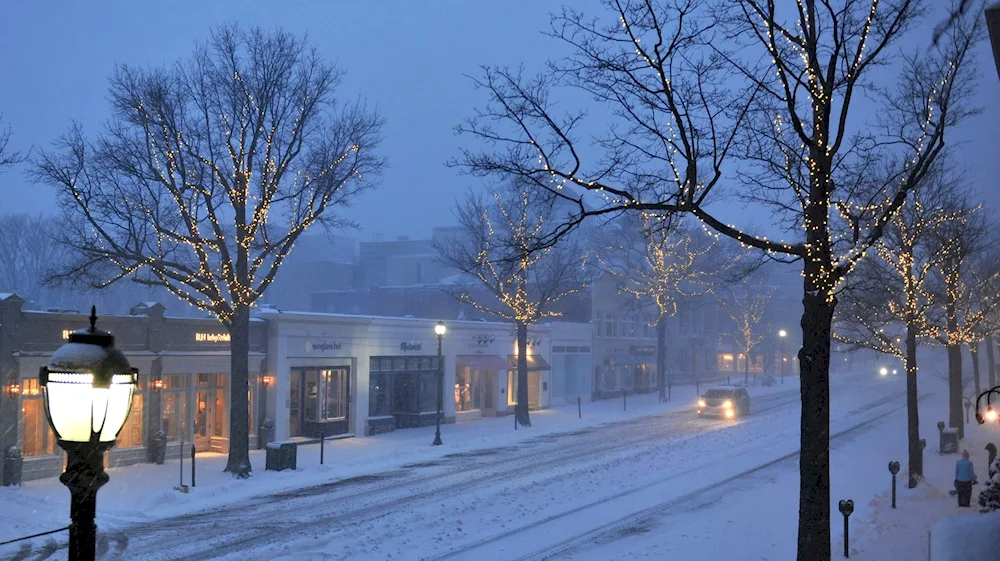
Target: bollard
<point>940,427</point>
<point>181,484</point>
<point>322,445</point>
<point>515,417</point>
<point>192,466</point>
<point>579,408</point>
<point>624,401</point>
<point>893,469</point>
<point>846,508</point>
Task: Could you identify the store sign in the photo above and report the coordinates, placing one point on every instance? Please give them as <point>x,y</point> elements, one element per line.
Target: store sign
<point>212,337</point>
<point>481,342</point>
<point>323,346</point>
<point>645,350</point>
<point>407,346</point>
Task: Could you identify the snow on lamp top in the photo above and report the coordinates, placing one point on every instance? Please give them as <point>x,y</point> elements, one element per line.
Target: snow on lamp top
<point>88,386</point>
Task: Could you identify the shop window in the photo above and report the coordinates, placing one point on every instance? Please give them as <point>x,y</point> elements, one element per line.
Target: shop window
<point>37,438</point>
<point>512,387</point>
<point>174,418</point>
<point>468,390</point>
<point>379,394</point>
<point>600,325</point>
<point>726,362</point>
<point>428,392</point>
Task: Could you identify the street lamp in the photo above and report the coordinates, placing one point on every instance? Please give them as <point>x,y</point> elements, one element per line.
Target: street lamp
<point>87,388</point>
<point>781,334</point>
<point>440,330</point>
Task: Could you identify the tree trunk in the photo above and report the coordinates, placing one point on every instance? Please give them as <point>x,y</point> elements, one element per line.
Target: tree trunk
<point>239,410</point>
<point>974,352</point>
<point>814,439</point>
<point>521,409</point>
<point>915,453</point>
<point>991,363</point>
<point>954,347</point>
<point>661,358</point>
<point>746,370</point>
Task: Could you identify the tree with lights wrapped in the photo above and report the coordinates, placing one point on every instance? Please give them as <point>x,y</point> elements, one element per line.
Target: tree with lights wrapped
<point>746,310</point>
<point>766,96</point>
<point>888,302</point>
<point>498,247</point>
<point>962,315</point>
<point>206,174</point>
<point>989,496</point>
<point>660,262</point>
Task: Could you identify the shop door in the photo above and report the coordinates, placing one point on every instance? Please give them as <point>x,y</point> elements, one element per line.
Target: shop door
<point>209,411</point>
<point>534,388</point>
<point>295,404</point>
<point>489,389</point>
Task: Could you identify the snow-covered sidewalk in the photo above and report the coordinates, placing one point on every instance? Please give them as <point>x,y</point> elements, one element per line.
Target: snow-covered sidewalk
<point>146,492</point>
<point>882,532</point>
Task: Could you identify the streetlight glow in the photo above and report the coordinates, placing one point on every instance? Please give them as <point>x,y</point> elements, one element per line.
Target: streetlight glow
<point>782,333</point>
<point>440,329</point>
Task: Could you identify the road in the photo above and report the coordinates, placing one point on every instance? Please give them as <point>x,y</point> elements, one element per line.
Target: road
<point>548,495</point>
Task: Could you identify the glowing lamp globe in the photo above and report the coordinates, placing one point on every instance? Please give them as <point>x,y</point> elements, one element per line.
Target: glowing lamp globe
<point>88,386</point>
<point>440,329</point>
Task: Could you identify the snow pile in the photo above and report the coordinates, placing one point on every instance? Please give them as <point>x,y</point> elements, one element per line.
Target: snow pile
<point>966,538</point>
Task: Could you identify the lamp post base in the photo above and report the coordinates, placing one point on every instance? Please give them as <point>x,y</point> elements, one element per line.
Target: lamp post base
<point>84,476</point>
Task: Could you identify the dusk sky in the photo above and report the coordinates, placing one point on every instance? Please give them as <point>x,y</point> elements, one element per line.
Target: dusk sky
<point>406,58</point>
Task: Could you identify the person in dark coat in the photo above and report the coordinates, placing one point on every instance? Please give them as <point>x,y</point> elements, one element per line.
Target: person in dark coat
<point>965,478</point>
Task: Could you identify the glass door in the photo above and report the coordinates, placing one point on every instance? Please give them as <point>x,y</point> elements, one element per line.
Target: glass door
<point>295,404</point>
<point>209,410</point>
<point>202,418</point>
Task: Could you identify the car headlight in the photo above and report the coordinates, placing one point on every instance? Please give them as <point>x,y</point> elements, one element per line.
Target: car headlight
<point>729,413</point>
<point>727,404</point>
<point>701,403</point>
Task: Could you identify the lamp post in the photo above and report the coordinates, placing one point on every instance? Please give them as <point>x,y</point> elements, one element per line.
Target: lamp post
<point>87,388</point>
<point>440,330</point>
<point>781,335</point>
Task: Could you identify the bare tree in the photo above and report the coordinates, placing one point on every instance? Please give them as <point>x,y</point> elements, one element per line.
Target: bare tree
<point>889,304</point>
<point>660,263</point>
<point>206,175</point>
<point>746,308</point>
<point>8,156</point>
<point>497,248</point>
<point>693,88</point>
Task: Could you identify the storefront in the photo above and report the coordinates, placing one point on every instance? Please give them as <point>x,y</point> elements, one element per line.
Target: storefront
<point>183,388</point>
<point>571,361</point>
<point>383,372</point>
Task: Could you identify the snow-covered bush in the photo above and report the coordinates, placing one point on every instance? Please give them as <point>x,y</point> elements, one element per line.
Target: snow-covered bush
<point>989,496</point>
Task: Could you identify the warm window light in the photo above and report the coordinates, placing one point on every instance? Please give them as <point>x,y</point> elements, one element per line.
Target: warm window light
<point>266,380</point>
<point>440,329</point>
<point>14,389</point>
<point>157,384</point>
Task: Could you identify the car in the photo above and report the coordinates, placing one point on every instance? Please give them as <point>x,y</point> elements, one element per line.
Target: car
<point>727,403</point>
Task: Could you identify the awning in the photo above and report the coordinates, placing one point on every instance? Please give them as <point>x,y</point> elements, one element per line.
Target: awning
<point>535,362</point>
<point>482,362</point>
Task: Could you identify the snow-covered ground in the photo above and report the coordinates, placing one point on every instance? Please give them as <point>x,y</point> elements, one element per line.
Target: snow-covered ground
<point>652,482</point>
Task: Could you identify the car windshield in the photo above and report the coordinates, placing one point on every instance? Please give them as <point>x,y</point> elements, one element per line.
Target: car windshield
<point>718,394</point>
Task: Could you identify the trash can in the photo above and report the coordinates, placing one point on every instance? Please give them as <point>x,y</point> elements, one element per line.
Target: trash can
<point>156,452</point>
<point>280,456</point>
<point>265,433</point>
<point>13,463</point>
<point>949,441</point>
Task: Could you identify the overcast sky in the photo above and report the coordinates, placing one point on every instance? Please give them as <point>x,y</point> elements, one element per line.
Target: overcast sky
<point>406,57</point>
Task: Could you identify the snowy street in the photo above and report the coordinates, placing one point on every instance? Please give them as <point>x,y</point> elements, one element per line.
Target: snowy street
<point>551,496</point>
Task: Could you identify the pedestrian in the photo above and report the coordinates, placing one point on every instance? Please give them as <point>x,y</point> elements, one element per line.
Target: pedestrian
<point>965,478</point>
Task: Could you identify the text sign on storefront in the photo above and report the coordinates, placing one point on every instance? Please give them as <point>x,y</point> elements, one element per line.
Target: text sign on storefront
<point>212,337</point>
<point>481,342</point>
<point>323,346</point>
<point>407,346</point>
<point>645,350</point>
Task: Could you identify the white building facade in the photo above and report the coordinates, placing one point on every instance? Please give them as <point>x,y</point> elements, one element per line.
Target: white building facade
<point>344,375</point>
